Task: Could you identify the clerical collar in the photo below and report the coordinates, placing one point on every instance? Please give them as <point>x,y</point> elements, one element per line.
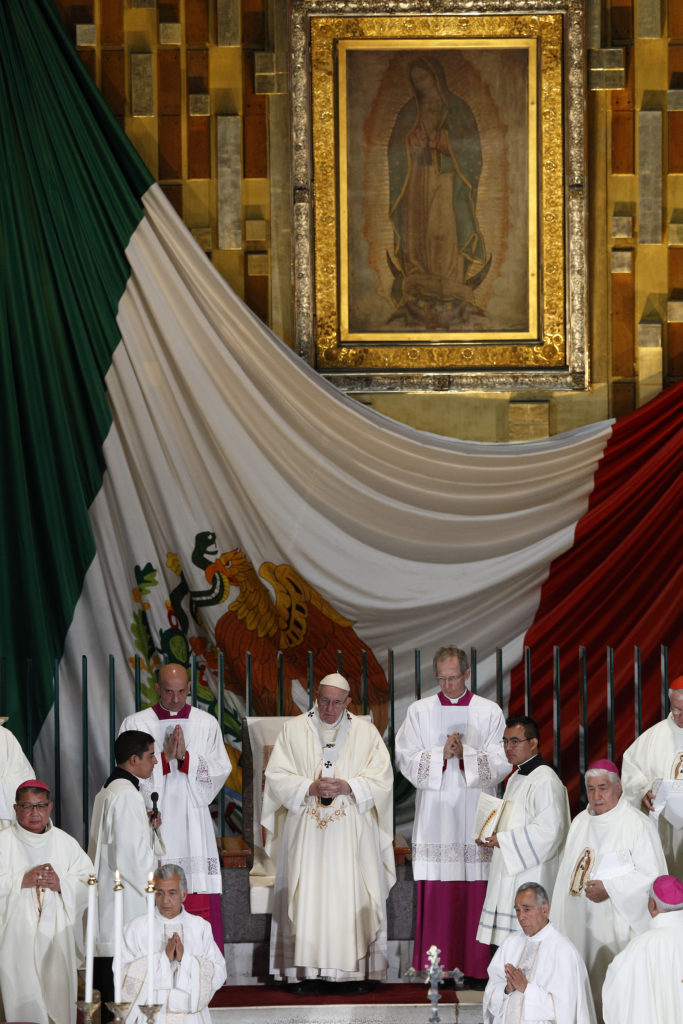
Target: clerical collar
<point>161,712</point>
<point>121,773</point>
<point>462,701</point>
<point>527,767</point>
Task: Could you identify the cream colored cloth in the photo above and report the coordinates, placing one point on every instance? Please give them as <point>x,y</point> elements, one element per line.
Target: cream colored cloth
<point>41,931</point>
<point>644,983</point>
<point>185,798</point>
<point>15,768</point>
<point>656,754</point>
<point>183,990</point>
<point>446,801</point>
<point>120,837</point>
<point>622,848</point>
<point>531,836</point>
<point>558,990</point>
<point>335,864</point>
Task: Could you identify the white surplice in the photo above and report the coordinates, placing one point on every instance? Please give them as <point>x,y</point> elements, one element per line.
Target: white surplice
<point>531,835</point>
<point>557,989</point>
<point>644,983</point>
<point>120,837</point>
<point>621,847</point>
<point>657,754</point>
<point>185,796</point>
<point>335,863</point>
<point>443,848</point>
<point>15,768</point>
<point>183,990</point>
<point>41,931</point>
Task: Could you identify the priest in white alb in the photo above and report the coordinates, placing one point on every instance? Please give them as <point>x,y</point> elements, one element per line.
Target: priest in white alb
<point>537,974</point>
<point>644,983</point>
<point>657,754</point>
<point>192,766</point>
<point>450,747</point>
<point>531,832</point>
<point>328,816</point>
<point>611,858</point>
<point>43,894</point>
<point>188,967</point>
<point>14,768</point>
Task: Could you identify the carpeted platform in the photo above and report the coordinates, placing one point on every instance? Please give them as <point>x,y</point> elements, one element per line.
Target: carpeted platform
<point>334,994</point>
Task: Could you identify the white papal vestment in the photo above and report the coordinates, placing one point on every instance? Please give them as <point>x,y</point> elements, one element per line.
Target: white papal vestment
<point>15,768</point>
<point>183,990</point>
<point>558,988</point>
<point>41,931</point>
<point>644,983</point>
<point>186,793</point>
<point>622,848</point>
<point>657,754</point>
<point>531,834</point>
<point>446,800</point>
<point>334,864</point>
<point>120,838</point>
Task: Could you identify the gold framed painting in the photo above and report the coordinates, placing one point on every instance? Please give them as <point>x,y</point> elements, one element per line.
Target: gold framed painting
<point>436,183</point>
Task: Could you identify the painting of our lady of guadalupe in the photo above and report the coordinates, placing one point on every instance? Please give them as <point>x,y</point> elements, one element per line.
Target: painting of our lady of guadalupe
<point>439,174</point>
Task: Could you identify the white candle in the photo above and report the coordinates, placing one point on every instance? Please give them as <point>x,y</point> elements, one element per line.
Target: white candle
<point>118,934</point>
<point>90,937</point>
<point>150,890</point>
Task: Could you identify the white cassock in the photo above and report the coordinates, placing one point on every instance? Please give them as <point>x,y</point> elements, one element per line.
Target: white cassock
<point>558,989</point>
<point>15,768</point>
<point>644,983</point>
<point>531,834</point>
<point>334,864</point>
<point>41,931</point>
<point>183,990</point>
<point>120,837</point>
<point>657,754</point>
<point>185,795</point>
<point>622,848</point>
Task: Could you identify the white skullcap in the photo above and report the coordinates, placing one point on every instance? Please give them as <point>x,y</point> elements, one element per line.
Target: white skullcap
<point>334,679</point>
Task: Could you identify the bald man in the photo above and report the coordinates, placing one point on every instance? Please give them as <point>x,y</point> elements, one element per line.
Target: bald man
<point>192,766</point>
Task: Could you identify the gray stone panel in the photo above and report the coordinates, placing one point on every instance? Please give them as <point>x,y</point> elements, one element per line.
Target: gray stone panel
<point>228,24</point>
<point>229,153</point>
<point>649,24</point>
<point>142,84</point>
<point>650,176</point>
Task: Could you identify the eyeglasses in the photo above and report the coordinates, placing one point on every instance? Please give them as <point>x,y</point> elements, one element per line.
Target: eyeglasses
<point>513,742</point>
<point>449,679</point>
<point>33,807</point>
<point>326,702</point>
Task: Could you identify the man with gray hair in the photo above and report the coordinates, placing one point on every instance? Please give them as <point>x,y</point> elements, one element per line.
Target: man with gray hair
<point>451,748</point>
<point>328,816</point>
<point>537,975</point>
<point>611,858</point>
<point>643,982</point>
<point>188,965</point>
<point>656,757</point>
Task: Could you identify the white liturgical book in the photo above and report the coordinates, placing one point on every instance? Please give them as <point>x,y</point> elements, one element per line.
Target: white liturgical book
<point>487,816</point>
<point>613,865</point>
<point>668,801</point>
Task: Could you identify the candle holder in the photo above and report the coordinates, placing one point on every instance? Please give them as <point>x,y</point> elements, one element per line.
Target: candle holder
<point>150,1011</point>
<point>120,1011</point>
<point>88,1010</point>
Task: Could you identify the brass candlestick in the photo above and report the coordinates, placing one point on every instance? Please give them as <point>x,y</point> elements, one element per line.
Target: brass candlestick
<point>88,1009</point>
<point>150,1011</point>
<point>120,1011</point>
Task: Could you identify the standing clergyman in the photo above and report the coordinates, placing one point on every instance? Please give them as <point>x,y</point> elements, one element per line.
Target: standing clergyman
<point>451,748</point>
<point>330,773</point>
<point>43,893</point>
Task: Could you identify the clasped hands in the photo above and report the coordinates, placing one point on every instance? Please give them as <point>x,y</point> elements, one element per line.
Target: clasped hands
<point>175,745</point>
<point>515,978</point>
<point>175,948</point>
<point>329,788</point>
<point>43,876</point>
<point>453,746</point>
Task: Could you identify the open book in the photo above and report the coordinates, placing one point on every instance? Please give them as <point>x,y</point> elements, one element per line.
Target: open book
<point>487,816</point>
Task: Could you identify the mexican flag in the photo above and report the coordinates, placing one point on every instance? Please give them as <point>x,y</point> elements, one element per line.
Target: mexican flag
<point>178,484</point>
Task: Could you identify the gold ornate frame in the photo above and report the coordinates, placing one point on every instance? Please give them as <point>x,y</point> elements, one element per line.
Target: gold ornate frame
<point>544,348</point>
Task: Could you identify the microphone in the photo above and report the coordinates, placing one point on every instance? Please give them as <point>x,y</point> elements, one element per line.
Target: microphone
<point>155,807</point>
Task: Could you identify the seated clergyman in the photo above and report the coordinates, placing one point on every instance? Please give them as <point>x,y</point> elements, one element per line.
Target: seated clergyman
<point>188,965</point>
<point>537,975</point>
